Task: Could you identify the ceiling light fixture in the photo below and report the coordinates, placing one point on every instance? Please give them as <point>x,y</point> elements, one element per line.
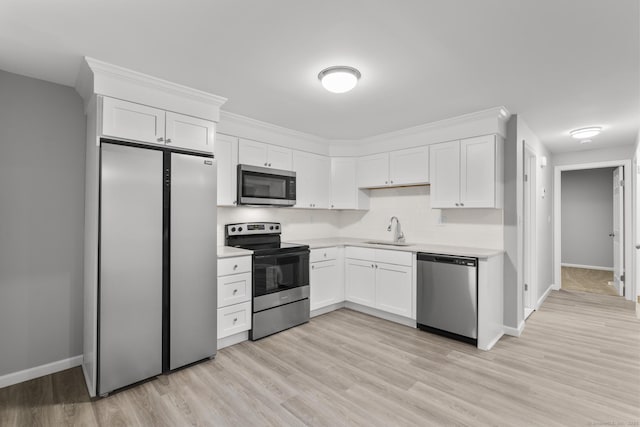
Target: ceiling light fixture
<point>586,133</point>
<point>339,79</point>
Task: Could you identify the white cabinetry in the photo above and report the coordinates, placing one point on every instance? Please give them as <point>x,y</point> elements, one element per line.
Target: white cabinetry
<point>345,193</point>
<point>313,177</point>
<point>400,167</point>
<point>226,153</point>
<point>131,121</point>
<point>234,295</point>
<point>265,155</point>
<point>325,281</point>
<point>380,279</point>
<point>467,173</point>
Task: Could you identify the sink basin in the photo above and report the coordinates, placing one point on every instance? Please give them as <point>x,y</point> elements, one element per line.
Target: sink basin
<point>382,242</point>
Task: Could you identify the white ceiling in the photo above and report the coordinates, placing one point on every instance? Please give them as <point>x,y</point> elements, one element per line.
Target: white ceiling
<point>561,64</point>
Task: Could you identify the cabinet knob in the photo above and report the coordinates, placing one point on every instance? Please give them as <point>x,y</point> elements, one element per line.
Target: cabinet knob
<point>235,267</point>
<point>269,164</point>
<point>392,182</point>
<point>313,267</point>
<point>461,204</point>
<point>235,291</point>
<point>331,206</point>
<point>325,254</point>
<point>386,182</point>
<point>265,164</point>
<point>371,265</point>
<point>376,265</point>
<point>160,139</point>
<point>235,319</point>
<point>168,140</point>
<point>235,202</point>
<point>457,204</point>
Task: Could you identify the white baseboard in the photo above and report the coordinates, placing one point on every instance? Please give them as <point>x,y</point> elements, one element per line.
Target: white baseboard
<point>233,339</point>
<point>544,297</point>
<point>513,331</point>
<point>324,310</point>
<point>588,267</point>
<point>491,343</point>
<point>381,314</point>
<point>39,371</point>
<point>554,287</point>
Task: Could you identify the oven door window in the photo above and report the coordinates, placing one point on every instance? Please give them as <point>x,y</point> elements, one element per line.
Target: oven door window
<point>275,273</point>
<point>264,186</point>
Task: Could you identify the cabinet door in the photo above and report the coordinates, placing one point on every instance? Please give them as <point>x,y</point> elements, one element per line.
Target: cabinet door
<point>226,152</point>
<point>279,157</point>
<point>252,153</point>
<point>445,174</point>
<point>393,289</point>
<point>324,282</point>
<point>477,172</point>
<point>344,187</point>
<point>360,282</point>
<point>322,185</point>
<point>409,166</point>
<point>122,119</point>
<point>303,165</point>
<point>189,132</point>
<point>373,171</point>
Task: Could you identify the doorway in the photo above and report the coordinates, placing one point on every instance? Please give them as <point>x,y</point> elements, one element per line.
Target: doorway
<point>530,242</point>
<point>591,252</point>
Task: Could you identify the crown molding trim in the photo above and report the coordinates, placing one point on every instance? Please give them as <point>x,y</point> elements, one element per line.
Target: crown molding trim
<point>229,117</point>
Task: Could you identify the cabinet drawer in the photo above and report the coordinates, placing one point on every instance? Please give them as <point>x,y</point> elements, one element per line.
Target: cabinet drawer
<point>394,257</point>
<point>360,253</point>
<point>234,265</point>
<point>233,319</point>
<point>323,254</point>
<point>233,289</point>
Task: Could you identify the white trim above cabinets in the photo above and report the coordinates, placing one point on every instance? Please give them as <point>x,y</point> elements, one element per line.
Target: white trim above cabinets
<point>396,168</point>
<point>467,173</point>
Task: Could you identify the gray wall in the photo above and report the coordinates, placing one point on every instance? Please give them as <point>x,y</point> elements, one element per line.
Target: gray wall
<point>42,134</point>
<point>587,217</point>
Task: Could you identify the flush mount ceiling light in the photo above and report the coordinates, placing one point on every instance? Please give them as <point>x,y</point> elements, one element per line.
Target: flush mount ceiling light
<point>339,79</point>
<point>586,133</point>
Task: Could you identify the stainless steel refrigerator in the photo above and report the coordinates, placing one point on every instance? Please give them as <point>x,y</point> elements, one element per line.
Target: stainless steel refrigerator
<point>157,262</point>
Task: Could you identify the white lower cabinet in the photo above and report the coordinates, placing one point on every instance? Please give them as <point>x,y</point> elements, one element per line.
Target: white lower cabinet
<point>325,278</point>
<point>380,279</point>
<point>234,295</point>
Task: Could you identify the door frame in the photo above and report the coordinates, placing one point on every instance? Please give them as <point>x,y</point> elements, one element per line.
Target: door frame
<point>630,286</point>
<point>530,245</point>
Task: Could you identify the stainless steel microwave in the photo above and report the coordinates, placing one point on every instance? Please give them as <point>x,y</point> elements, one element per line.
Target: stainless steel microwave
<point>266,186</point>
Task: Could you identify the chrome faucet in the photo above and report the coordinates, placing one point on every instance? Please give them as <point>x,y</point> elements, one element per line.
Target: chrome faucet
<point>398,236</point>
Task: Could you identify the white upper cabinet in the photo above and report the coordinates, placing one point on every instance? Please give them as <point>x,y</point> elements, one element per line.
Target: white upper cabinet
<point>189,132</point>
<point>467,173</point>
<point>122,119</point>
<point>226,153</point>
<point>445,174</point>
<point>410,166</point>
<point>400,167</point>
<point>264,155</point>
<point>128,120</point>
<point>313,180</point>
<point>345,193</point>
<point>373,171</point>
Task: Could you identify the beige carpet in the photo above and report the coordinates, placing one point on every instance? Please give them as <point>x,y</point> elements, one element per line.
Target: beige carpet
<point>586,280</point>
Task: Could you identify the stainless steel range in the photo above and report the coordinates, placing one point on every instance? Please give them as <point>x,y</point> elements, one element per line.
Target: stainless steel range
<point>280,277</point>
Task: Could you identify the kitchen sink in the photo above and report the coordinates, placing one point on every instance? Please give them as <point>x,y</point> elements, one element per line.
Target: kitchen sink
<point>381,242</point>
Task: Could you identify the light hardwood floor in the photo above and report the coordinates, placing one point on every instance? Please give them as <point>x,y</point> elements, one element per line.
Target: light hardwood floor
<point>588,280</point>
<point>577,363</point>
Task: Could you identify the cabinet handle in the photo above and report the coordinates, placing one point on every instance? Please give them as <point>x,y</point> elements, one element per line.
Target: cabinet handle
<point>168,140</point>
<point>235,319</point>
<point>265,164</point>
<point>461,204</point>
<point>331,206</point>
<point>325,254</point>
<point>235,267</point>
<point>235,202</point>
<point>386,182</point>
<point>371,265</point>
<point>376,265</point>
<point>235,291</point>
<point>392,182</point>
<point>457,204</point>
<point>269,164</point>
<point>160,139</point>
<point>313,267</point>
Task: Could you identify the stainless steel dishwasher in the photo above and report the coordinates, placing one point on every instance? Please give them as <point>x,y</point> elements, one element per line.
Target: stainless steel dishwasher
<point>448,296</point>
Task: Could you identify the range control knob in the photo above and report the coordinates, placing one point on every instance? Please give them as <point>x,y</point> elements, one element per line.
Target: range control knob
<point>233,229</point>
<point>271,228</point>
<point>239,228</point>
<point>277,227</point>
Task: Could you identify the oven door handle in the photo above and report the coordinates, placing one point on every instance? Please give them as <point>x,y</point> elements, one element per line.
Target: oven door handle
<point>299,253</point>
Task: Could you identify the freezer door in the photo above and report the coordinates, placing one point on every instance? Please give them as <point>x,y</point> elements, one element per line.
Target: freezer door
<point>193,295</point>
<point>130,288</point>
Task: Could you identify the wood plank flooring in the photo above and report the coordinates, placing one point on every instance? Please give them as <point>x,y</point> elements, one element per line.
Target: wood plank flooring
<point>577,363</point>
<point>588,280</point>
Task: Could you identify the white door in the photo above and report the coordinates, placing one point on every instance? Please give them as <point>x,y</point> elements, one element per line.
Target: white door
<point>189,132</point>
<point>409,166</point>
<point>477,172</point>
<point>344,190</point>
<point>360,282</point>
<point>529,265</point>
<point>444,168</point>
<point>393,289</point>
<point>128,120</point>
<point>618,230</point>
<point>322,278</point>
<point>373,171</point>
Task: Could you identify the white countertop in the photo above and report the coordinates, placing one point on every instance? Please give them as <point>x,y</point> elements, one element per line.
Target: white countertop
<point>230,251</point>
<point>412,247</point>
